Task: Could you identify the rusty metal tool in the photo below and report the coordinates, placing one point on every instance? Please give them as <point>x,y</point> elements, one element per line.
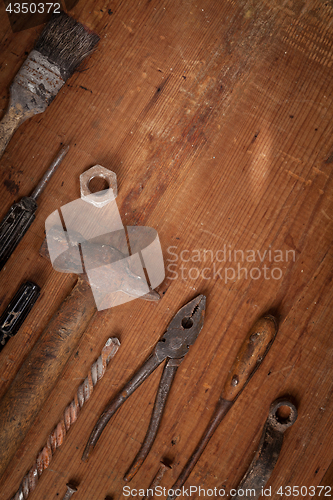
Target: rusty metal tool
<point>173,346</point>
<point>44,364</point>
<point>60,48</point>
<point>17,310</point>
<point>21,215</point>
<point>71,489</point>
<point>253,350</point>
<point>70,416</point>
<point>267,454</point>
<point>163,468</point>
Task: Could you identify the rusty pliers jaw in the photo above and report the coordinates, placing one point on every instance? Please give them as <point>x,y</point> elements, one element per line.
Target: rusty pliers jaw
<point>183,330</point>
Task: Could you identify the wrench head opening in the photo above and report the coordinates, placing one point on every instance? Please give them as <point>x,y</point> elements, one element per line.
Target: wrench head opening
<point>282,422</point>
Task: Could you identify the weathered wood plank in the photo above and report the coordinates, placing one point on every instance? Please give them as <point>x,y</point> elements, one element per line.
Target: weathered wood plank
<point>217,118</point>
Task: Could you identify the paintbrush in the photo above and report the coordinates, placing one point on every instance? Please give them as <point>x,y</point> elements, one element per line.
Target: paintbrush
<point>60,48</point>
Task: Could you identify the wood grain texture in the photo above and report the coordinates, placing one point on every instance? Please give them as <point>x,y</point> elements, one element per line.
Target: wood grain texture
<point>217,118</point>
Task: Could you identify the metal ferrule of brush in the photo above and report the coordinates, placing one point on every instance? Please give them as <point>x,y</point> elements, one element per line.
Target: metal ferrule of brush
<point>14,226</point>
<point>40,77</point>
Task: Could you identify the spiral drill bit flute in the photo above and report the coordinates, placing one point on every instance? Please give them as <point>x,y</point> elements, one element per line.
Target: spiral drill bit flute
<point>70,416</point>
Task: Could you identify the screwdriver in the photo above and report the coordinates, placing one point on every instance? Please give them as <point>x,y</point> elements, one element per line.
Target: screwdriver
<point>22,214</point>
<point>253,350</point>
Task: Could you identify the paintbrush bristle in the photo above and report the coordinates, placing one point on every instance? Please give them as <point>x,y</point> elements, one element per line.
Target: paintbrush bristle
<point>65,42</point>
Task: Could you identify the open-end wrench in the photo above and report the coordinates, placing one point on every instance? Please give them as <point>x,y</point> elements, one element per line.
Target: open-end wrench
<point>264,461</point>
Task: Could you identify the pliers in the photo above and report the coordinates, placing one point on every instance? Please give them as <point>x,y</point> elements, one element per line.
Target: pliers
<point>181,333</point>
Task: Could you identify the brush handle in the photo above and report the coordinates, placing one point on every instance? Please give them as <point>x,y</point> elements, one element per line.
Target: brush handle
<point>16,114</point>
<point>8,125</point>
<point>23,104</point>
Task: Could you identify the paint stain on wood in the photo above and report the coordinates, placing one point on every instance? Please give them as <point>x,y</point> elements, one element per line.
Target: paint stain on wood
<point>11,186</point>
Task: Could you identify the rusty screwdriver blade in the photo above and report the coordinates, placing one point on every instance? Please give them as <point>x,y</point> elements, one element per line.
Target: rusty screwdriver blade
<point>253,350</point>
<point>22,214</point>
<point>49,172</point>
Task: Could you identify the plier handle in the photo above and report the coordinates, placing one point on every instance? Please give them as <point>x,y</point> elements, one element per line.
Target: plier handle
<point>181,333</point>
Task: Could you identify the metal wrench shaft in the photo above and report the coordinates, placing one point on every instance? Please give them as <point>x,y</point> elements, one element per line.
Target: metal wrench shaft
<point>267,455</point>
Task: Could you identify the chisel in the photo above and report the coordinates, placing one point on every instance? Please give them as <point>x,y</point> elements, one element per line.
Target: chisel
<point>22,214</point>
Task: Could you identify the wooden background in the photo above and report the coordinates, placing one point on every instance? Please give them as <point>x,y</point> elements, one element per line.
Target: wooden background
<point>216,116</point>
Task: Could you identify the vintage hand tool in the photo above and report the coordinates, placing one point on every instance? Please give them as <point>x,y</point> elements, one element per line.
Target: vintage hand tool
<point>248,359</point>
<point>173,346</point>
<point>41,369</point>
<point>70,416</point>
<point>267,455</point>
<point>157,479</point>
<point>44,364</point>
<point>61,47</point>
<point>71,489</point>
<point>22,214</point>
<point>17,310</point>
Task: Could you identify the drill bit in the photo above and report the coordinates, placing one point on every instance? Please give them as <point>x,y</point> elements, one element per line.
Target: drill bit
<point>70,416</point>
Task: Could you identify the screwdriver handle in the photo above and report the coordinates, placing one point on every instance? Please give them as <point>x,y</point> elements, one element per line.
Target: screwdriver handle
<point>14,226</point>
<point>250,355</point>
<point>22,214</point>
<point>17,310</point>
